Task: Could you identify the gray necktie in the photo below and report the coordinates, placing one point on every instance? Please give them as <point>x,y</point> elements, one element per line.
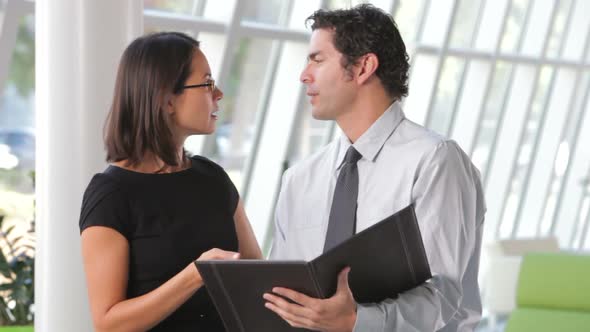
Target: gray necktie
<point>342,222</point>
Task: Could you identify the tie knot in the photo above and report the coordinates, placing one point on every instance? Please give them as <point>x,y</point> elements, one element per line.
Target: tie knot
<point>352,155</point>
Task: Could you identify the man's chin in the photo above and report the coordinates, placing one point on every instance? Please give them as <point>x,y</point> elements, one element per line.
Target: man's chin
<point>319,115</point>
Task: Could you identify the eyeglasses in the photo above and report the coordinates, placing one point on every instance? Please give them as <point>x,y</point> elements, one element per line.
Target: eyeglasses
<point>210,84</point>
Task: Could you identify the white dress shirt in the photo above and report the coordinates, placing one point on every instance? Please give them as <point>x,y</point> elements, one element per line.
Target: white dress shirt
<point>402,163</point>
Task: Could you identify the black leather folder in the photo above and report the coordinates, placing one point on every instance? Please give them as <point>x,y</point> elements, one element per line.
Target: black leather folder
<point>386,259</point>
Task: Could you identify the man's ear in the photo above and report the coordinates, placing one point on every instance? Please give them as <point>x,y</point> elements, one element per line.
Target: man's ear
<point>367,65</point>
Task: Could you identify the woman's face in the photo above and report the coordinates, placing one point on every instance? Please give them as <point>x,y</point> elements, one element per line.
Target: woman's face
<point>194,110</point>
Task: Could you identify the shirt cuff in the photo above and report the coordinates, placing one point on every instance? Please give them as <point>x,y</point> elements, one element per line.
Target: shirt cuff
<point>369,318</point>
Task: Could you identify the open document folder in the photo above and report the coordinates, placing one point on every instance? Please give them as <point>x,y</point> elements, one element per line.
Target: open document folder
<point>386,259</point>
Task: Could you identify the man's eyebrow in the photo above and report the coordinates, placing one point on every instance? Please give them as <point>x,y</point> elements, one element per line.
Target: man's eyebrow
<point>313,56</point>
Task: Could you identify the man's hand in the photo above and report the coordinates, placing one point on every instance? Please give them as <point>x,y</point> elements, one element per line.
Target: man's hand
<point>336,314</point>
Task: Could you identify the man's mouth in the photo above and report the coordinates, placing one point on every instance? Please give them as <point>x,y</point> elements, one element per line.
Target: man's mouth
<point>312,96</point>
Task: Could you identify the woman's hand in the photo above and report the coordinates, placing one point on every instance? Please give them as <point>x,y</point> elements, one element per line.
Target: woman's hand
<point>216,253</point>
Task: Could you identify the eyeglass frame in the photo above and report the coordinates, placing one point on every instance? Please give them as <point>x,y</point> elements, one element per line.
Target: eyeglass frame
<point>210,84</point>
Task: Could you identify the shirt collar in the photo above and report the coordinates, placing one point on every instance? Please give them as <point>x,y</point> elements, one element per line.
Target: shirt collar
<point>372,140</point>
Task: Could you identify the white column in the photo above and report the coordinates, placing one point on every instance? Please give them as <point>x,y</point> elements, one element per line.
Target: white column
<point>78,45</point>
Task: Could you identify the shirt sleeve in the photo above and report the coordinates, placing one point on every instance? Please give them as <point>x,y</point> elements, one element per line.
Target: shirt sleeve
<point>449,207</point>
<point>104,205</point>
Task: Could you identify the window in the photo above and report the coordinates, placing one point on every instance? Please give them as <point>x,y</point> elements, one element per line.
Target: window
<point>489,74</point>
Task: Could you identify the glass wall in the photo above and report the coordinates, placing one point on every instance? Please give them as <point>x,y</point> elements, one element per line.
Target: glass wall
<point>17,161</point>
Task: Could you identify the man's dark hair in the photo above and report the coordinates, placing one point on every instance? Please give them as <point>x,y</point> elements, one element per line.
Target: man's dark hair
<point>365,29</point>
<point>152,69</point>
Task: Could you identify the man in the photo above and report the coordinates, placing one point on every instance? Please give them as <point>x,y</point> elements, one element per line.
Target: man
<point>356,75</point>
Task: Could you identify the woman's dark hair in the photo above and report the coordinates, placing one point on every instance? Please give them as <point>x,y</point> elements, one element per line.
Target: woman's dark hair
<point>152,69</point>
<point>365,29</point>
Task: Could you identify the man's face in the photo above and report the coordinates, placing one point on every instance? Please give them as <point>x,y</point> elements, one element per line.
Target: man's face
<point>329,86</point>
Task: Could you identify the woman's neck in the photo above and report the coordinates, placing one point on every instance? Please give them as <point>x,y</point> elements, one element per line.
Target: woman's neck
<point>151,163</point>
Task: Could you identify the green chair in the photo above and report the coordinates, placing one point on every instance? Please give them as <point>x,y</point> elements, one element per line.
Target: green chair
<point>553,294</point>
<point>16,329</point>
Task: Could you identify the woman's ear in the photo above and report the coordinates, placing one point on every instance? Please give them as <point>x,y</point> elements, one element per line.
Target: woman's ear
<point>169,104</point>
<point>367,66</point>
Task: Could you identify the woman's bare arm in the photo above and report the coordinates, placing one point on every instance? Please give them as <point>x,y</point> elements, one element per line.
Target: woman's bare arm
<point>106,258</point>
<point>249,247</point>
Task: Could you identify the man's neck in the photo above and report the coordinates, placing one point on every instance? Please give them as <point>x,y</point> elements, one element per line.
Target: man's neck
<point>361,116</point>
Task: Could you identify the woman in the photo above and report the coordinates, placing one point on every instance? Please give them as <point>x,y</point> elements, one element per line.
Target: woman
<point>154,210</point>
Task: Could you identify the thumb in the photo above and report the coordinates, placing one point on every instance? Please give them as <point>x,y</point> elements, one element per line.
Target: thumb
<point>343,279</point>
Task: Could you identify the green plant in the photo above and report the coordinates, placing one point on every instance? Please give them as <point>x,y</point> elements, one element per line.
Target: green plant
<point>22,68</point>
<point>17,264</point>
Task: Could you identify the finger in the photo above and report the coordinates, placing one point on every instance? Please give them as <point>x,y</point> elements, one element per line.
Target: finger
<point>222,254</point>
<point>216,253</point>
<point>293,320</point>
<point>294,309</point>
<point>343,280</point>
<point>296,297</point>
<point>292,323</point>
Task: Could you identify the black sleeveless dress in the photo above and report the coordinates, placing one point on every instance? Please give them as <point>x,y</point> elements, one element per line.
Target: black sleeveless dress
<point>169,220</point>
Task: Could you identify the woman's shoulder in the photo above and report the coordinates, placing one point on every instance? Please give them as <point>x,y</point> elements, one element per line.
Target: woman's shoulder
<point>207,166</point>
<point>101,185</point>
<point>103,203</point>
